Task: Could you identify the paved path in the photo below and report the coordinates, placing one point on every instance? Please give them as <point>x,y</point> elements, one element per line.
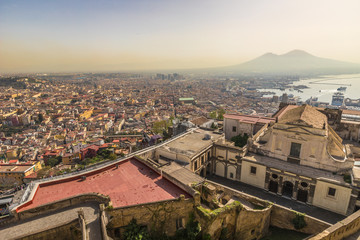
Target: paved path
<point>50,220</point>
<point>319,213</point>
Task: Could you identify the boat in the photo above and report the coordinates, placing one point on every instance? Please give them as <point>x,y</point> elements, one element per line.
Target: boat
<point>338,99</point>
<point>341,89</point>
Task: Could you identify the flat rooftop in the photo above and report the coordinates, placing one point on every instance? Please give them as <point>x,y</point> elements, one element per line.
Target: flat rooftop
<point>192,143</point>
<point>249,118</point>
<point>129,184</point>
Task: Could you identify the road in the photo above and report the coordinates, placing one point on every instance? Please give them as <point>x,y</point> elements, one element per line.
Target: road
<point>319,213</point>
<point>53,219</point>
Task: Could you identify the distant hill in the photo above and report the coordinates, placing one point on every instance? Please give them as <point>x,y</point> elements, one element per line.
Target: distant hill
<point>294,62</point>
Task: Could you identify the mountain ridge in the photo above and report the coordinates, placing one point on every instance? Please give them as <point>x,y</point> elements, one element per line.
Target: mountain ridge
<point>293,62</point>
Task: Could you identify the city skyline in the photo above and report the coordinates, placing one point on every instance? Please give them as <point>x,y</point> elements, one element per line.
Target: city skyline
<point>44,36</point>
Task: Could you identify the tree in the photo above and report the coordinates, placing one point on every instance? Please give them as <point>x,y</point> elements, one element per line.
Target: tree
<point>43,172</point>
<point>52,162</point>
<point>240,140</point>
<point>161,126</point>
<point>221,113</point>
<point>213,115</point>
<point>133,231</point>
<point>112,156</point>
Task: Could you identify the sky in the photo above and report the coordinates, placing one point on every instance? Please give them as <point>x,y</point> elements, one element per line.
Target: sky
<point>109,35</point>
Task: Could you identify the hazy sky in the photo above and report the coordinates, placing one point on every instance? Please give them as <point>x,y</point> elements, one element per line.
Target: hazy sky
<point>113,35</point>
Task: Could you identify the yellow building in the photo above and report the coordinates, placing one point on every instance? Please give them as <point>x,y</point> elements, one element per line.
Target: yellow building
<point>13,175</point>
<point>87,114</point>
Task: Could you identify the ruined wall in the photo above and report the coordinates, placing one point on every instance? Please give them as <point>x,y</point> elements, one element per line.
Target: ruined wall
<point>239,221</point>
<point>70,230</point>
<point>253,224</point>
<point>234,221</point>
<point>282,217</point>
<point>159,216</point>
<point>340,230</point>
<point>82,198</point>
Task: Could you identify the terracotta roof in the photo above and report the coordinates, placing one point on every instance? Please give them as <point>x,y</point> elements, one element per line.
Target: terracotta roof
<point>304,115</point>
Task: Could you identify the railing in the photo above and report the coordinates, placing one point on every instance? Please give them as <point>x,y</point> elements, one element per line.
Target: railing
<point>30,187</point>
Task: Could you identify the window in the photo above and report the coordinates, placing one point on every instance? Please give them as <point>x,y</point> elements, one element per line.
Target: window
<point>179,223</point>
<point>331,192</point>
<point>202,160</point>
<point>231,175</point>
<point>234,129</point>
<point>253,170</point>
<point>195,165</point>
<point>295,150</point>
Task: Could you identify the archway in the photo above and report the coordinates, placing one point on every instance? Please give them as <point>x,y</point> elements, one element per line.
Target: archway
<point>302,195</point>
<point>273,186</point>
<point>287,190</point>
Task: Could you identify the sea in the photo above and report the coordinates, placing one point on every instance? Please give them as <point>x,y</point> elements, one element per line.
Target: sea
<point>322,87</point>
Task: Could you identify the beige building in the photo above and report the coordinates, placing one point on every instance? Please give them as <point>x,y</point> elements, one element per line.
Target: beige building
<point>193,150</point>
<point>298,156</point>
<point>235,124</point>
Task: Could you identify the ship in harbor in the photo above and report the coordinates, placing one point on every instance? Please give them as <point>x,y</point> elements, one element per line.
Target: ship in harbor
<point>338,99</point>
<point>343,89</point>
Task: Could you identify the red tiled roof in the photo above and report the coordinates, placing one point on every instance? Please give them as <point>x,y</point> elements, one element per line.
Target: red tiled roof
<point>131,183</point>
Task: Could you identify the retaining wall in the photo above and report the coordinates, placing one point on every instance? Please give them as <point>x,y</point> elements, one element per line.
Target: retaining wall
<point>82,198</point>
<point>340,230</point>
<point>70,230</point>
<point>160,216</point>
<point>282,217</point>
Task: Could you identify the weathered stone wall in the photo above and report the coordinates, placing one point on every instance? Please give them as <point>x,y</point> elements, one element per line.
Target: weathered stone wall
<point>70,230</point>
<point>82,198</point>
<point>240,222</point>
<point>279,216</point>
<point>159,216</point>
<point>235,220</point>
<point>253,224</point>
<point>103,222</point>
<point>340,230</point>
<point>282,217</point>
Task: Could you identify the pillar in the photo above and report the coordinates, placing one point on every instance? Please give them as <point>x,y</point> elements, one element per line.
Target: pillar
<point>280,185</point>
<point>311,194</point>
<point>267,180</point>
<point>295,190</point>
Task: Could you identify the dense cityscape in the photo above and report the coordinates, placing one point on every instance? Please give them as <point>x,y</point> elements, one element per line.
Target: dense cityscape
<point>179,120</point>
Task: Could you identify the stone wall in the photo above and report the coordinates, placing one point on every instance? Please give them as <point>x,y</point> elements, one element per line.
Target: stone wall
<point>340,230</point>
<point>282,217</point>
<point>253,224</point>
<point>279,216</point>
<point>70,230</point>
<point>160,216</point>
<point>82,198</point>
<point>234,222</point>
<point>242,217</point>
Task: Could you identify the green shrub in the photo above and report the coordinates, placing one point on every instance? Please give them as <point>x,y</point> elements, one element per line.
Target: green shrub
<point>240,141</point>
<point>133,231</point>
<point>299,220</point>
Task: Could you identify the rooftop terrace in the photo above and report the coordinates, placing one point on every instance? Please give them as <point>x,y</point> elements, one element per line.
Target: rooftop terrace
<point>130,183</point>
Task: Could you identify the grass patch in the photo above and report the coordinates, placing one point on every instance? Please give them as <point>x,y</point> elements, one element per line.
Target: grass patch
<point>281,234</point>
